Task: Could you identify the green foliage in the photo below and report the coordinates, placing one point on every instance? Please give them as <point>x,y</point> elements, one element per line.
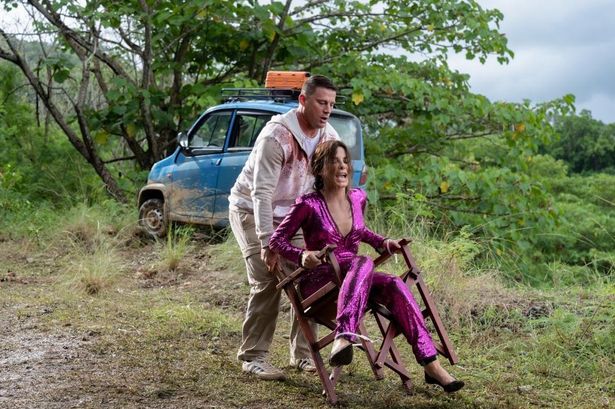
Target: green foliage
<point>450,160</point>
<point>586,233</point>
<point>33,158</point>
<point>452,156</point>
<point>585,144</point>
<point>165,63</point>
<point>540,226</point>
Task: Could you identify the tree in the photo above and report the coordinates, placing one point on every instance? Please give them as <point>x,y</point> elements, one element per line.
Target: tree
<point>143,67</point>
<point>586,144</point>
<point>33,158</point>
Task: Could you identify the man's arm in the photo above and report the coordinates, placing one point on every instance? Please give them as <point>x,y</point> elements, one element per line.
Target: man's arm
<point>267,167</point>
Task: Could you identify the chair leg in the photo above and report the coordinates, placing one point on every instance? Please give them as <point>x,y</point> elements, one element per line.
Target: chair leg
<point>388,332</point>
<point>401,370</point>
<point>328,382</point>
<point>437,321</point>
<point>328,385</point>
<point>388,347</point>
<point>414,274</point>
<point>372,356</point>
<point>335,375</point>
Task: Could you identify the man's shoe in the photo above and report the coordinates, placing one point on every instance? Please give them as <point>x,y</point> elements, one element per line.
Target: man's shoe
<point>341,352</point>
<point>303,364</point>
<point>263,370</point>
<point>449,387</point>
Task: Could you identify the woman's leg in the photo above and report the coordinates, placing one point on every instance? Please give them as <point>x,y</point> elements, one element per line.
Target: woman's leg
<point>437,372</point>
<point>352,299</point>
<point>394,294</point>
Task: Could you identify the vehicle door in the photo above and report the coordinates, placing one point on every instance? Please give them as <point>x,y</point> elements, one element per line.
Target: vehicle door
<point>247,124</point>
<point>195,176</point>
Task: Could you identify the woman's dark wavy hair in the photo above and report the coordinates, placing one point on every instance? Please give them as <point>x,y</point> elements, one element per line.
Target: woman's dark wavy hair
<point>325,153</point>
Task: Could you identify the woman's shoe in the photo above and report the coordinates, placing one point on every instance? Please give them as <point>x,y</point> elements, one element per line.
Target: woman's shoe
<point>449,387</point>
<point>341,352</point>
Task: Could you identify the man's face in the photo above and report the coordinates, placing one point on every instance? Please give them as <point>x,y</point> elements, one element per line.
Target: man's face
<point>318,107</point>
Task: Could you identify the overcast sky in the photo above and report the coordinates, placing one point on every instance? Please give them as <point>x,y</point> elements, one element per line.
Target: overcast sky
<point>560,46</point>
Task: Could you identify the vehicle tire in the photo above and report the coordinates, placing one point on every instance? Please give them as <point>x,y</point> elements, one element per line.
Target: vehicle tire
<point>152,218</point>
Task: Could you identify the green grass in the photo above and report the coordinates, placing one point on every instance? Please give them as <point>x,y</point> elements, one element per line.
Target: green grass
<point>162,337</point>
<point>175,247</point>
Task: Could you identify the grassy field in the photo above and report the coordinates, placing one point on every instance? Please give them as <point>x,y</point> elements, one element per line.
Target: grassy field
<point>94,316</point>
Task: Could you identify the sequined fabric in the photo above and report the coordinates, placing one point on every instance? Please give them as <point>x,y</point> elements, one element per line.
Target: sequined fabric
<point>361,283</point>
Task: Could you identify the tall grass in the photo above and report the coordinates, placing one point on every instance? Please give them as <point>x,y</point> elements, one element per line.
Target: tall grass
<point>92,238</point>
<point>176,246</point>
<point>465,283</point>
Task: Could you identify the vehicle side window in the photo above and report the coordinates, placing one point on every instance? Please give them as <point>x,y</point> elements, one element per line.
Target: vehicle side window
<point>349,130</point>
<point>247,127</point>
<point>212,132</point>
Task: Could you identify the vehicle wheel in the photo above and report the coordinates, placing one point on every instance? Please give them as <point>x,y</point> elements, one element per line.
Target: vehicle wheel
<point>152,218</point>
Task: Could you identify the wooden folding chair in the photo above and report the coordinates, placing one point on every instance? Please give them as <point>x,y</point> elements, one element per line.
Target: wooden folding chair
<point>321,307</point>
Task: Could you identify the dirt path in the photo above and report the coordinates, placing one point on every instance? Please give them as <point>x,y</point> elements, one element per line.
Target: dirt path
<point>53,370</point>
<point>35,366</point>
<point>50,359</point>
<point>51,366</point>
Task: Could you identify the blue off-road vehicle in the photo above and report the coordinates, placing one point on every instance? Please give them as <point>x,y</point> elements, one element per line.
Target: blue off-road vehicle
<point>192,184</point>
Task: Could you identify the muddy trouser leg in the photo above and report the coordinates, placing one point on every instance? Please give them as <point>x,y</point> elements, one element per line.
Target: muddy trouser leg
<point>261,312</point>
<point>264,300</point>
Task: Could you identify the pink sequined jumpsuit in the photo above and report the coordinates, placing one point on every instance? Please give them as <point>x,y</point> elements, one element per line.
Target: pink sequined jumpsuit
<point>361,283</point>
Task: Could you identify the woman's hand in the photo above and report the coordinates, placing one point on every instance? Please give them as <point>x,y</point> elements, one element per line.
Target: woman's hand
<point>391,245</point>
<point>309,259</point>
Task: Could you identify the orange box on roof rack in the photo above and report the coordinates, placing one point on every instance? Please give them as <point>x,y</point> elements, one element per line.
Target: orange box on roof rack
<point>286,79</point>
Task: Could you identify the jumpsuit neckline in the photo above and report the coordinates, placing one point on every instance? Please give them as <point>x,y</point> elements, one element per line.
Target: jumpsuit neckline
<point>337,228</point>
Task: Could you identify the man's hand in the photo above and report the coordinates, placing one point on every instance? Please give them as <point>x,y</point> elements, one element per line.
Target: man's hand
<point>270,259</point>
<point>309,259</point>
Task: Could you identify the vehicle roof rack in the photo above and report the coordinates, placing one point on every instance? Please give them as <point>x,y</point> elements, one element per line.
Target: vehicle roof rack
<point>267,94</point>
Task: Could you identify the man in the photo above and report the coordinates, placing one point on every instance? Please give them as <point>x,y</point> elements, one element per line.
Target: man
<point>276,173</point>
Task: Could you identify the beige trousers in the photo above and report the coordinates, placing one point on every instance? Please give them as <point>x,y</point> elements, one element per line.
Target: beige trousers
<point>264,300</point>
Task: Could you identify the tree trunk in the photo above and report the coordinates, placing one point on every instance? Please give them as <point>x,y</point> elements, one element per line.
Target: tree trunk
<point>84,147</point>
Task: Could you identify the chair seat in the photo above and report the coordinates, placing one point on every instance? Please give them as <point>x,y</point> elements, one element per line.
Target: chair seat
<point>327,291</point>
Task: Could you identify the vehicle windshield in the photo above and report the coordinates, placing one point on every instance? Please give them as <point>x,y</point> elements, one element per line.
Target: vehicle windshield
<point>349,129</point>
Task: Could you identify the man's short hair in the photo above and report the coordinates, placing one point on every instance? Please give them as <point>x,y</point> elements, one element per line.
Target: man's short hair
<point>317,81</point>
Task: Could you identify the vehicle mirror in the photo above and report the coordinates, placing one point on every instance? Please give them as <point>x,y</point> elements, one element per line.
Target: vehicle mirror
<point>182,140</point>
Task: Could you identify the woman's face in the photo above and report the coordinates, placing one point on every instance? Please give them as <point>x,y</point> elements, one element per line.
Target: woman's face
<point>335,173</point>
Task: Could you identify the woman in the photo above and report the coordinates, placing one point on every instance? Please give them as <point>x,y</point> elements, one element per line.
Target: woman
<point>333,214</point>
